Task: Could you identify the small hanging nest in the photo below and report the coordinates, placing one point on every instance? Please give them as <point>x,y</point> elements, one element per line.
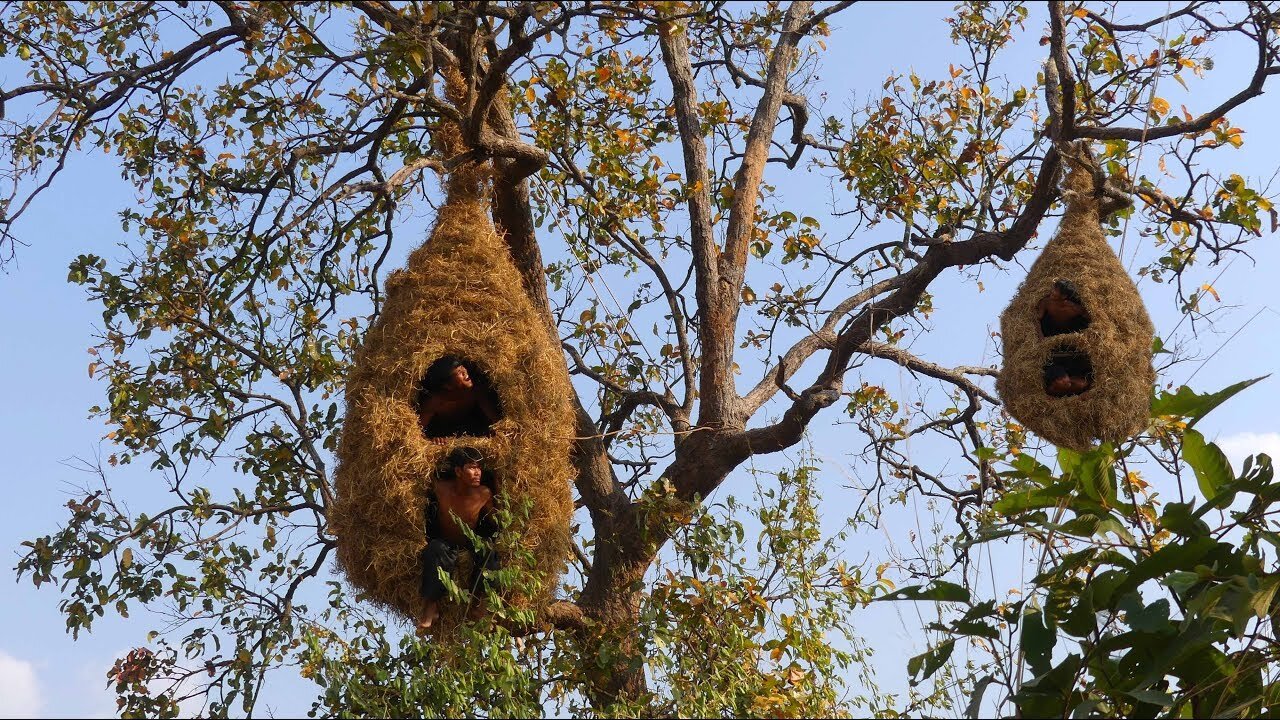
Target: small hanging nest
<point>1077,377</point>
<point>462,295</point>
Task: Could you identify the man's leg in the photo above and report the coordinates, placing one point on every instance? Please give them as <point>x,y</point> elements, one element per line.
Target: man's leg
<point>485,559</point>
<point>438,555</point>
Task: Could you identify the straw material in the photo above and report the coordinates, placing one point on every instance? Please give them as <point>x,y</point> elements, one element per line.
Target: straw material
<point>460,294</point>
<point>1117,340</point>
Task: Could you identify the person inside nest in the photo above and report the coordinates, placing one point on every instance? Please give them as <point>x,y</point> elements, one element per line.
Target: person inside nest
<point>462,502</point>
<point>1067,373</point>
<point>1061,311</point>
<point>456,398</point>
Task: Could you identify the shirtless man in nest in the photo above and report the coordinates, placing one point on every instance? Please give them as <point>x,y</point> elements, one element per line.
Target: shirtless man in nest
<point>455,398</point>
<point>461,499</point>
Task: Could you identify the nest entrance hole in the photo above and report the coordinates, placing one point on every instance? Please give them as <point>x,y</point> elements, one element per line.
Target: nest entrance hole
<point>1062,311</point>
<point>455,397</point>
<point>1068,372</point>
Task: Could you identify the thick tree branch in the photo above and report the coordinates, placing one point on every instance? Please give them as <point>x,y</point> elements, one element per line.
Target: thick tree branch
<point>675,56</point>
<point>556,616</point>
<point>955,376</point>
<point>1063,111</point>
<point>722,314</point>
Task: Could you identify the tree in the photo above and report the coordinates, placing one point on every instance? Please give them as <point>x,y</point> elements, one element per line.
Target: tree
<point>276,149</point>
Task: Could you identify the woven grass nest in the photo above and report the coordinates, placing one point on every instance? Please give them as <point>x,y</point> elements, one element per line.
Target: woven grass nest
<point>460,294</point>
<point>1114,348</point>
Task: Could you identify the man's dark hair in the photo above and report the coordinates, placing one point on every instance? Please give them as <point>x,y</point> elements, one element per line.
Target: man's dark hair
<point>457,458</point>
<point>439,374</point>
<point>1068,290</point>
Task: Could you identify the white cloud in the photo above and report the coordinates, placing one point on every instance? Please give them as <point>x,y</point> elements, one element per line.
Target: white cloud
<point>19,688</point>
<point>1241,445</point>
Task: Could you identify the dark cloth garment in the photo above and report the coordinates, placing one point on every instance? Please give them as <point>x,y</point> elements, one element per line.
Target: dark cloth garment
<point>442,554</point>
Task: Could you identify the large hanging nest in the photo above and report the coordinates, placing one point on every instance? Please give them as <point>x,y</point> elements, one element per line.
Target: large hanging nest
<point>1097,365</point>
<point>460,294</point>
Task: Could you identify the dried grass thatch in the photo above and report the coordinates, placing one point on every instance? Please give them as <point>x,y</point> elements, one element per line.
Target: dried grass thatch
<point>460,294</point>
<point>1117,341</point>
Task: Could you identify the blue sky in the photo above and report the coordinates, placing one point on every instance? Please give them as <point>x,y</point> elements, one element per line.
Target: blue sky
<point>45,391</point>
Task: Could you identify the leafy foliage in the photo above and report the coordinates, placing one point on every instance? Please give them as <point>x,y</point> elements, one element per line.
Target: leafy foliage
<point>1138,610</point>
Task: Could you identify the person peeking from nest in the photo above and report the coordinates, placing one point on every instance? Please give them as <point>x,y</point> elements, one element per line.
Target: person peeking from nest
<point>1061,311</point>
<point>456,398</point>
<point>1067,373</point>
<point>460,518</point>
<point>1061,381</point>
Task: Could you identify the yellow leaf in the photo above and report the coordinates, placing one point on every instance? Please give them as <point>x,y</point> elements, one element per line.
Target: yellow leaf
<point>1209,289</point>
<point>126,558</point>
<point>1081,13</point>
<point>776,654</point>
<point>1160,106</point>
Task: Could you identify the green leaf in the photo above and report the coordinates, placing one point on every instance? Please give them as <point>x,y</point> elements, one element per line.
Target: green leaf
<point>1033,499</point>
<point>1151,697</point>
<point>1038,640</point>
<point>1187,403</point>
<point>1213,471</point>
<point>971,628</point>
<point>1261,600</point>
<point>1181,582</point>
<point>78,568</point>
<point>1181,556</point>
<point>1144,618</point>
<point>940,591</point>
<point>927,663</point>
<point>975,701</point>
<point>1177,518</point>
<point>1093,472</point>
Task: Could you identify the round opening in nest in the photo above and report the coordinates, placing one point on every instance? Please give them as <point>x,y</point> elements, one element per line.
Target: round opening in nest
<point>1068,372</point>
<point>455,397</point>
<point>1061,310</point>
